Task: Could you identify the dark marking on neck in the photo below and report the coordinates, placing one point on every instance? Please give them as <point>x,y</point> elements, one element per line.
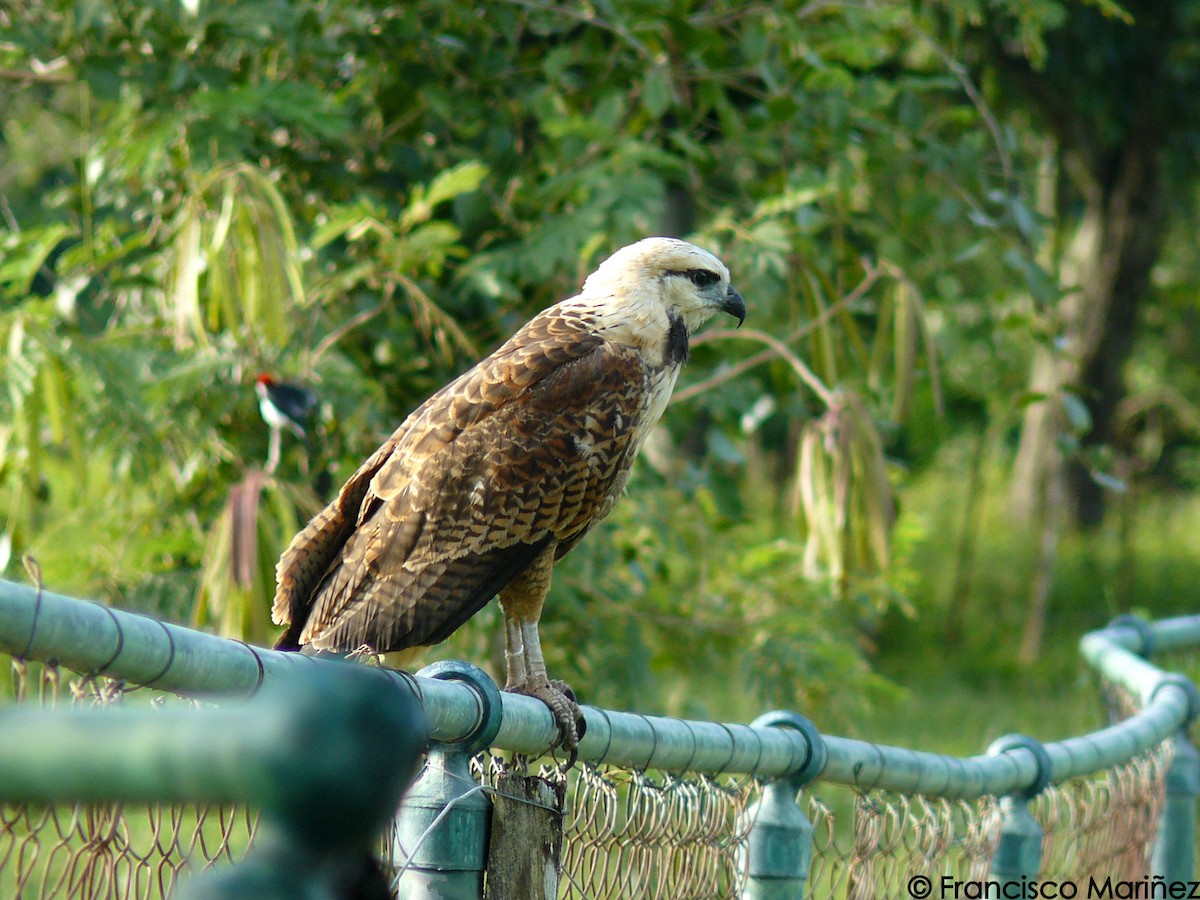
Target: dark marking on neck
<point>675,353</point>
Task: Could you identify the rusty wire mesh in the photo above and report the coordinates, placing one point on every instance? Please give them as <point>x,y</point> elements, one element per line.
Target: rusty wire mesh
<point>107,851</point>
<point>633,833</point>
<point>1103,825</point>
<point>644,833</point>
<point>628,832</point>
<point>870,845</point>
<point>867,846</point>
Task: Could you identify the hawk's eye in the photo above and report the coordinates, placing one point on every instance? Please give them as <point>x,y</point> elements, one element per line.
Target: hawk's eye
<point>702,278</point>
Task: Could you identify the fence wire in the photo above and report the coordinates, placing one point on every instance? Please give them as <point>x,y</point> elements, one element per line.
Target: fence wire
<point>627,832</point>
<point>868,846</point>
<point>1105,825</point>
<point>633,833</point>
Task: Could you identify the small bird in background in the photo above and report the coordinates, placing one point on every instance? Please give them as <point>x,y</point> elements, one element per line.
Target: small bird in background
<point>500,473</point>
<point>283,405</point>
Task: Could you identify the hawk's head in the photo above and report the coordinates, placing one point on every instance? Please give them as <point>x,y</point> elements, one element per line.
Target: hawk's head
<point>657,292</point>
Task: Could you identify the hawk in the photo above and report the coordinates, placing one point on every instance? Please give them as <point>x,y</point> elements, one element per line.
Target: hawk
<point>502,471</point>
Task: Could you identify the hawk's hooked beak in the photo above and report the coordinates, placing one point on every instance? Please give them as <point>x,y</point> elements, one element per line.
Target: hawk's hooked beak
<point>733,304</point>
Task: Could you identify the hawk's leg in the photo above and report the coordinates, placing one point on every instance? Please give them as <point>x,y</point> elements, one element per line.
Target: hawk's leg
<point>521,602</point>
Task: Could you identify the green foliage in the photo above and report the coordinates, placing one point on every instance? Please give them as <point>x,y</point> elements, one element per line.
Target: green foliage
<point>237,584</point>
<point>235,262</point>
<point>366,197</point>
<point>1143,560</point>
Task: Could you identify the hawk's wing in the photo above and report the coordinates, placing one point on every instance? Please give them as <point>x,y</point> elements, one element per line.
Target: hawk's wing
<point>528,448</point>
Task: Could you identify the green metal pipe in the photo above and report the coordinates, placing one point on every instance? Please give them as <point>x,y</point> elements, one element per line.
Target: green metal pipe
<point>1019,848</point>
<point>1116,744</point>
<point>324,755</point>
<point>442,828</point>
<point>93,639</point>
<point>328,752</point>
<point>1108,652</point>
<point>97,640</point>
<point>1174,854</point>
<point>1018,852</point>
<point>869,766</point>
<point>90,638</point>
<point>1182,632</point>
<point>777,855</point>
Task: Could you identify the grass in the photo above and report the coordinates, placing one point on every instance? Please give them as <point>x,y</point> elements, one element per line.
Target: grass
<point>957,697</point>
<point>961,718</point>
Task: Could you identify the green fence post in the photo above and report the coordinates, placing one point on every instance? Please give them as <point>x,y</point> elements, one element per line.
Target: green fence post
<point>779,847</point>
<point>1173,856</point>
<point>442,825</point>
<point>1174,852</point>
<point>1019,852</point>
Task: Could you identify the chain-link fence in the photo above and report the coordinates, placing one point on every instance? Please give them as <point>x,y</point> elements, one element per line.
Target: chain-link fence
<point>667,809</point>
<point>661,835</point>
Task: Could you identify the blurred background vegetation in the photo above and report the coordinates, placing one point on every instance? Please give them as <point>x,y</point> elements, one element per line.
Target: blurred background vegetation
<point>959,429</point>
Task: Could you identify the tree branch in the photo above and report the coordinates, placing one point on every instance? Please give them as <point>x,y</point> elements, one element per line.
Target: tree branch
<point>783,351</point>
<point>55,73</point>
<point>692,390</point>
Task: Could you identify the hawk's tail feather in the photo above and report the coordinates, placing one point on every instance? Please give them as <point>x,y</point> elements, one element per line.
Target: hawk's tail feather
<point>312,551</point>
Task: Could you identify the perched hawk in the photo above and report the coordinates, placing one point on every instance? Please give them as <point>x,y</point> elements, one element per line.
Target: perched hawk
<point>502,471</point>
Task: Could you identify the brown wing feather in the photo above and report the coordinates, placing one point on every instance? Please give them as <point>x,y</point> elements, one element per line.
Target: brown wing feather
<point>530,447</point>
<point>312,551</point>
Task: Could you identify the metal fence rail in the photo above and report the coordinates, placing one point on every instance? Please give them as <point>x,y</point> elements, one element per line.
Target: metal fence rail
<point>441,839</point>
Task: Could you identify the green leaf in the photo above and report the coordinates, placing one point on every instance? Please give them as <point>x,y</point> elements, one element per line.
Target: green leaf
<point>657,91</point>
<point>293,105</point>
<point>1024,218</point>
<point>1040,283</point>
<point>793,198</point>
<point>236,260</point>
<point>347,220</point>
<point>24,253</point>
<point>1067,444</point>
